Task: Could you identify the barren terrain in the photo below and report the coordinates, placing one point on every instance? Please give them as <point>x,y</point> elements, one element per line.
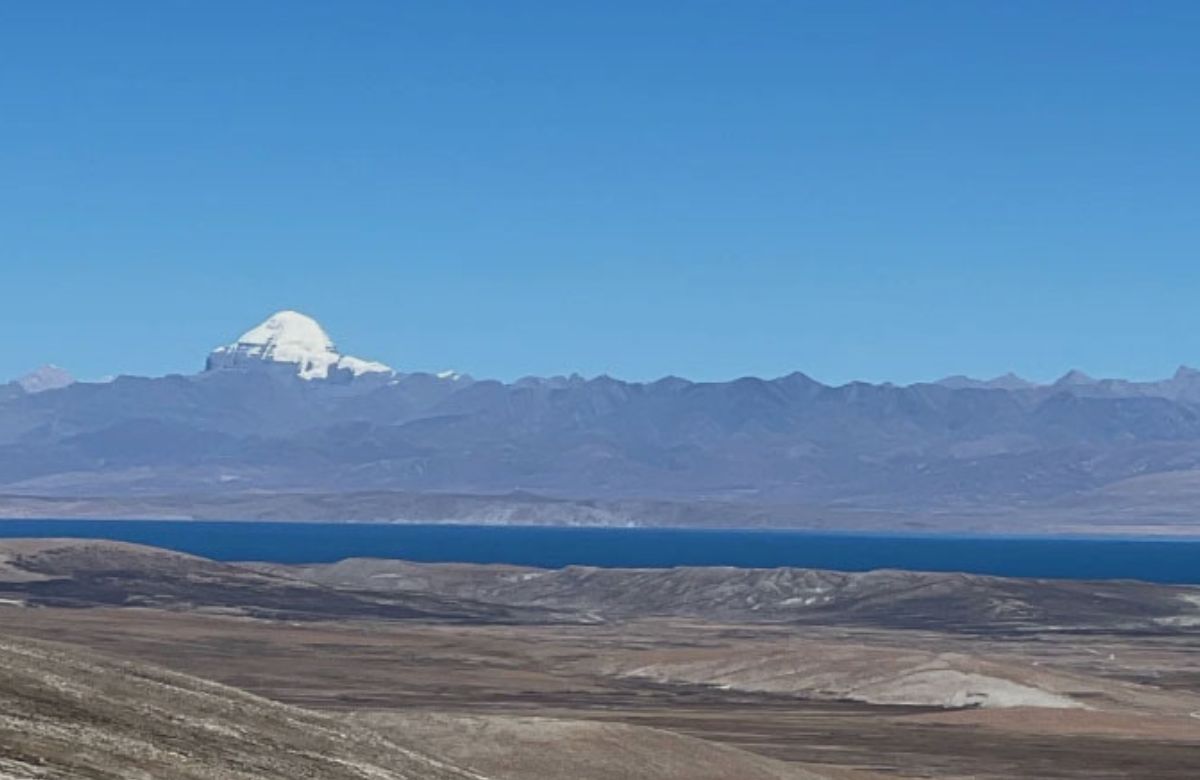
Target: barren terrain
<point>514,690</point>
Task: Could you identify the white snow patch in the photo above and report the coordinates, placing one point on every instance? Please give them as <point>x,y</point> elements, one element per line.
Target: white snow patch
<point>290,337</point>
<point>48,377</point>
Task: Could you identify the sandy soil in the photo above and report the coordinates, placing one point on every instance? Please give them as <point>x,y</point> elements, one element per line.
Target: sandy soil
<point>552,671</point>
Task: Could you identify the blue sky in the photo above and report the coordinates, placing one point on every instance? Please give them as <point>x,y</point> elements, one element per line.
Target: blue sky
<point>859,190</point>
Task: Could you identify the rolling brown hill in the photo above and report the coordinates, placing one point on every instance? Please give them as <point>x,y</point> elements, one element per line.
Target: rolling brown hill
<point>69,714</point>
<point>86,572</point>
<point>895,599</point>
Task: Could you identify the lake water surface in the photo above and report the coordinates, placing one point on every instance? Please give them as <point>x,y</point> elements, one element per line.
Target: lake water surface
<point>1155,560</point>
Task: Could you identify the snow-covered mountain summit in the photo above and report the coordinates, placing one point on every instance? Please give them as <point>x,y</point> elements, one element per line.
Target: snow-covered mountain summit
<point>289,338</point>
<point>48,377</point>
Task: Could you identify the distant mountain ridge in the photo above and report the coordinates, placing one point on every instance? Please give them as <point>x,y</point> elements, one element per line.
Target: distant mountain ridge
<point>1009,381</point>
<point>281,410</point>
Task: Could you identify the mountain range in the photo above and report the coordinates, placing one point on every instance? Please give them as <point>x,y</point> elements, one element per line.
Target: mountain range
<point>281,412</point>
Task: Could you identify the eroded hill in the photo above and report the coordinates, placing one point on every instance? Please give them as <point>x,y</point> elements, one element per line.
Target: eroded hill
<point>67,714</point>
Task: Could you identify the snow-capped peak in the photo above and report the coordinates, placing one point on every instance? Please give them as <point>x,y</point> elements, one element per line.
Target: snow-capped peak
<point>48,377</point>
<point>289,337</point>
<point>289,332</point>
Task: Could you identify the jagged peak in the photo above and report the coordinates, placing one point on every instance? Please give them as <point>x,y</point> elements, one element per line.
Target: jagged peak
<point>1186,372</point>
<point>1075,377</point>
<point>1008,381</point>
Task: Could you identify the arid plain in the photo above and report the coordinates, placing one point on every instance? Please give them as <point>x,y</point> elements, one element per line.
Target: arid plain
<point>501,672</point>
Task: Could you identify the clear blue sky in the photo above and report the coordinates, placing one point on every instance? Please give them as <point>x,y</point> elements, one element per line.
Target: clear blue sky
<point>875,190</point>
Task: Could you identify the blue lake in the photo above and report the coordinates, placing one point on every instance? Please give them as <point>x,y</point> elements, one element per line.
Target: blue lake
<point>1155,560</point>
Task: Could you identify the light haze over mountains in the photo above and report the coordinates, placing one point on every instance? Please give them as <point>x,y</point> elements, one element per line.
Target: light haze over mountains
<point>281,410</point>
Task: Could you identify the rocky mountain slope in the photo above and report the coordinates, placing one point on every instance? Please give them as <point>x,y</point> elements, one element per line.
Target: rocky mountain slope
<point>281,411</point>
